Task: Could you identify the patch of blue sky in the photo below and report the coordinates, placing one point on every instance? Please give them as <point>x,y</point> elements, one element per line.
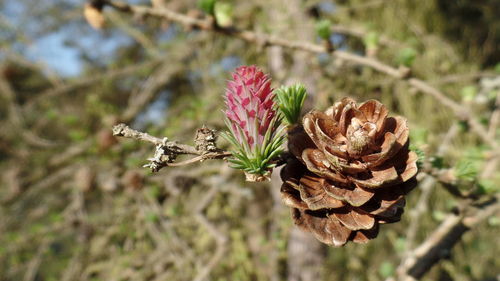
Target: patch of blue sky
<point>51,50</point>
<point>155,113</point>
<point>226,64</point>
<point>66,59</point>
<point>230,62</point>
<point>337,39</point>
<point>12,11</point>
<point>170,33</point>
<point>62,50</point>
<point>101,46</point>
<point>327,7</point>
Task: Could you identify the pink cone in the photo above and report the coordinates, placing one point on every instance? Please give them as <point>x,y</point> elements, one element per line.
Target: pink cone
<point>250,105</point>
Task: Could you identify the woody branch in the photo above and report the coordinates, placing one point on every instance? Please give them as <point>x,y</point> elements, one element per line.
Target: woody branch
<point>166,151</point>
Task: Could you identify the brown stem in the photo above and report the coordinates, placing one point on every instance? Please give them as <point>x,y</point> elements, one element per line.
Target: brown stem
<point>167,151</point>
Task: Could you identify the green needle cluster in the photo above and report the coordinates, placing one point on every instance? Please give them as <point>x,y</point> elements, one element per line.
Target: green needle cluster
<point>290,101</point>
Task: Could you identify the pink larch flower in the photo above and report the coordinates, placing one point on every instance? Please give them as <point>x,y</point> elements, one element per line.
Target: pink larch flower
<point>252,119</point>
<point>250,103</point>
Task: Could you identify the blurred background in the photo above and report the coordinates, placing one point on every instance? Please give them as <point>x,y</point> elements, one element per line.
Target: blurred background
<point>76,203</point>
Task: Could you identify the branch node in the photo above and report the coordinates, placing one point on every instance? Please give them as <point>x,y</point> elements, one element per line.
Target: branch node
<point>118,130</point>
<point>162,156</point>
<point>404,72</point>
<point>205,140</point>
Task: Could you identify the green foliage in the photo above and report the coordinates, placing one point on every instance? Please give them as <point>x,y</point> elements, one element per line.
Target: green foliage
<point>400,244</point>
<point>468,93</point>
<point>437,162</point>
<point>290,101</point>
<point>421,156</point>
<point>77,135</point>
<point>154,191</point>
<point>51,114</point>
<point>257,160</point>
<point>71,120</point>
<point>468,166</point>
<point>492,95</point>
<point>95,105</point>
<point>174,210</point>
<point>134,162</point>
<point>497,68</point>
<point>223,13</point>
<point>494,221</point>
<point>323,29</point>
<point>406,56</point>
<point>208,6</point>
<point>438,215</point>
<point>466,170</point>
<point>152,217</point>
<point>487,186</point>
<point>387,269</point>
<point>463,125</point>
<point>418,139</point>
<point>371,40</point>
<point>419,136</point>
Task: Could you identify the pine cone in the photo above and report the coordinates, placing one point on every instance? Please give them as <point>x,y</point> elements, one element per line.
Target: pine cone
<point>351,172</point>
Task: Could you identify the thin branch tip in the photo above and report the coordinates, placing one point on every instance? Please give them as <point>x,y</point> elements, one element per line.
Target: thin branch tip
<point>166,151</point>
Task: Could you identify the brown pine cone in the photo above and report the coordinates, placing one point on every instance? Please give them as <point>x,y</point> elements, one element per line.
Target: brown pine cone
<point>351,172</point>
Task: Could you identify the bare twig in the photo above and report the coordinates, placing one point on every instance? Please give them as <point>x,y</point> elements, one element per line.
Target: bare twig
<point>136,34</point>
<point>125,131</point>
<point>70,153</point>
<point>426,186</point>
<point>454,78</point>
<point>16,117</point>
<point>165,226</point>
<point>40,67</point>
<point>262,39</point>
<point>48,181</point>
<point>448,180</point>
<point>167,151</point>
<point>360,32</point>
<point>74,267</point>
<point>140,98</point>
<point>362,5</point>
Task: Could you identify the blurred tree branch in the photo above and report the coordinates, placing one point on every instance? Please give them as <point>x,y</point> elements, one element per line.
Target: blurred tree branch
<point>16,118</point>
<point>440,242</point>
<point>69,86</point>
<point>361,33</point>
<point>262,39</point>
